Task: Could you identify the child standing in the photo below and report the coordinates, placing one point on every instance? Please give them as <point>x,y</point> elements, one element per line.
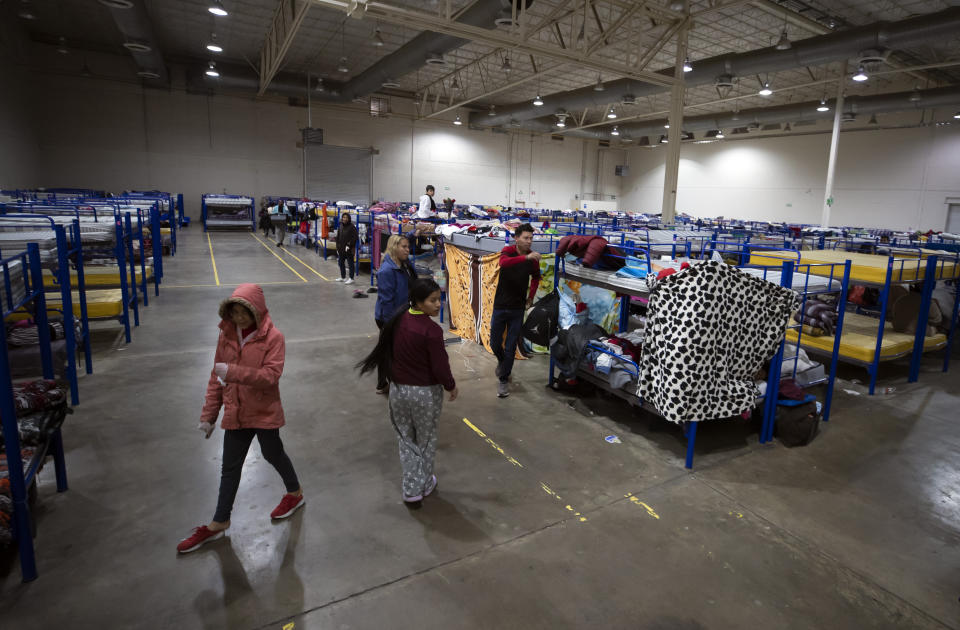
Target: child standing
<point>411,351</point>
<point>245,381</point>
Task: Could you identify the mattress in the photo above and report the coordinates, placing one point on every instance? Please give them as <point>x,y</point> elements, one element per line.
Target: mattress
<point>101,304</point>
<point>607,280</point>
<point>858,341</point>
<point>865,268</point>
<point>96,276</point>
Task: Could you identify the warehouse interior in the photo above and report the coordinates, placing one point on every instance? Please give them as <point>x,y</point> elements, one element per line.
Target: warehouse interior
<point>816,140</point>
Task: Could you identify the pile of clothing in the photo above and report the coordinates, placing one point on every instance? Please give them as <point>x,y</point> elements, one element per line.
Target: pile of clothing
<point>818,318</point>
<point>24,332</point>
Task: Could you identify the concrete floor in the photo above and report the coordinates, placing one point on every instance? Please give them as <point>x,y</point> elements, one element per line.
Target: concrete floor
<point>858,530</point>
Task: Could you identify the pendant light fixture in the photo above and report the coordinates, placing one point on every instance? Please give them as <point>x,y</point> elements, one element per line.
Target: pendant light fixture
<point>320,87</point>
<point>342,66</point>
<point>505,66</point>
<point>615,131</point>
<point>562,120</point>
<point>599,86</point>
<point>687,67</point>
<point>823,107</point>
<point>214,46</point>
<point>216,7</point>
<point>457,121</point>
<point>377,38</point>
<point>915,96</point>
<point>719,135</point>
<point>493,110</point>
<point>611,114</point>
<point>784,42</point>
<point>957,115</point>
<point>62,46</point>
<point>212,70</point>
<point>873,120</point>
<point>666,125</point>
<point>861,74</point>
<point>765,90</point>
<point>537,101</point>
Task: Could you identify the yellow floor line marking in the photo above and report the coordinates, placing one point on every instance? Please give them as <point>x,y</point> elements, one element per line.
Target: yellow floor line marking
<point>287,251</point>
<point>213,261</point>
<point>210,286</point>
<point>637,501</point>
<point>548,490</point>
<point>495,446</point>
<point>267,247</point>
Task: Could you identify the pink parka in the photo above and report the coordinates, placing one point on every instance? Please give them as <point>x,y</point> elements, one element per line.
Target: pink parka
<point>251,396</point>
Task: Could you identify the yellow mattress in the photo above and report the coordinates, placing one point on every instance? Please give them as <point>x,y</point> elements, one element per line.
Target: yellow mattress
<point>865,268</point>
<point>101,304</point>
<point>859,340</point>
<point>97,276</point>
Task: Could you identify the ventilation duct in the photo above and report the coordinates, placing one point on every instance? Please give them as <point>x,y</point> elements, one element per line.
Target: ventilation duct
<point>427,47</point>
<point>813,51</point>
<point>134,24</point>
<point>798,113</point>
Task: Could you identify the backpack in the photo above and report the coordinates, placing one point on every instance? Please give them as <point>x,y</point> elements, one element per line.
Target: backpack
<point>540,326</point>
<point>797,425</point>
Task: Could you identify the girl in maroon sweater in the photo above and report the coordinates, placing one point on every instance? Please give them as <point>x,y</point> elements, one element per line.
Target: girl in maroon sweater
<point>411,350</point>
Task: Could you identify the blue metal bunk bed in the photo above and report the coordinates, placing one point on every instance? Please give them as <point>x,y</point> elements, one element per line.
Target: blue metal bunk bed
<point>69,256</point>
<point>837,283</point>
<point>240,205</point>
<point>27,266</point>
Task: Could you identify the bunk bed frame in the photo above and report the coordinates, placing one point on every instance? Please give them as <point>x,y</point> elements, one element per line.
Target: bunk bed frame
<point>21,476</point>
<point>212,200</point>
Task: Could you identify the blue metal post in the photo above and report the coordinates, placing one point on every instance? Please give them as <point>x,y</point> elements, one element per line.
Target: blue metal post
<point>66,301</point>
<point>82,290</point>
<point>691,432</point>
<point>953,322</point>
<point>838,332</point>
<point>124,289</point>
<point>773,378</point>
<point>203,212</point>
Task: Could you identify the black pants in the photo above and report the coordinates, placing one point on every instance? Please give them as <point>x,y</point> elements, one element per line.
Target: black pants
<point>345,259</point>
<point>236,443</point>
<point>510,320</point>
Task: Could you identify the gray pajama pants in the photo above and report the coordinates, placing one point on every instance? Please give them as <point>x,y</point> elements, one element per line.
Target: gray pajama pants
<point>414,411</point>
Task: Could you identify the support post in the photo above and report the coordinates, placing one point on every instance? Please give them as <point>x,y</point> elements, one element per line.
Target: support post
<point>675,134</point>
<point>832,164</point>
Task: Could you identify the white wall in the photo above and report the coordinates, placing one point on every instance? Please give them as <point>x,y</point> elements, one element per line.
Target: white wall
<point>105,134</point>
<point>18,145</point>
<point>894,178</point>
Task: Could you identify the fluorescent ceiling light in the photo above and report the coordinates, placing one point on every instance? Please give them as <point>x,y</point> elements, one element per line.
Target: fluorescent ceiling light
<point>765,90</point>
<point>216,7</point>
<point>537,101</point>
<point>861,75</point>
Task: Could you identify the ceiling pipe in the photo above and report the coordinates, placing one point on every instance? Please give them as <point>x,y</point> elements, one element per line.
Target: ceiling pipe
<point>414,54</point>
<point>137,30</point>
<point>793,113</point>
<point>813,51</point>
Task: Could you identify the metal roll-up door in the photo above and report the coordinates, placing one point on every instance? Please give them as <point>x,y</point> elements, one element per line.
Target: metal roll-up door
<point>338,173</point>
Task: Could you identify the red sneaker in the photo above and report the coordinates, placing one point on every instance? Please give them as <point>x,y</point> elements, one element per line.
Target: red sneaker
<point>288,505</point>
<point>200,536</point>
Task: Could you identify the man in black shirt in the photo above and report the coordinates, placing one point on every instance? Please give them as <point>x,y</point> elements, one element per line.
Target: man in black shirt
<point>519,269</point>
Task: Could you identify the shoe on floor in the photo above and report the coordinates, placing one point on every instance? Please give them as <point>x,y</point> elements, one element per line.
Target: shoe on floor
<point>200,536</point>
<point>413,501</point>
<point>503,389</point>
<point>383,391</point>
<point>498,370</point>
<point>348,281</point>
<point>288,505</point>
<point>431,486</point>
<point>340,280</point>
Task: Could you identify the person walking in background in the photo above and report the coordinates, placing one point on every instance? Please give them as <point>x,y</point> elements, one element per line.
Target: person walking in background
<point>411,351</point>
<point>346,247</point>
<point>394,277</point>
<point>265,223</point>
<point>246,382</point>
<point>280,220</point>
<point>518,283</point>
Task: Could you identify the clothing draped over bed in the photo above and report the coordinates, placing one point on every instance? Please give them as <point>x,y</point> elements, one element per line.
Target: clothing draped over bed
<point>709,329</point>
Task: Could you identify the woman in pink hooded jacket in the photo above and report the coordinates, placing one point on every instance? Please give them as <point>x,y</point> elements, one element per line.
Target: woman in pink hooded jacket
<point>246,382</point>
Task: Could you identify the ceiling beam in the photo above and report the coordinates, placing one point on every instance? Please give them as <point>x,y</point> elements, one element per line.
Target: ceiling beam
<point>429,22</point>
<point>287,20</point>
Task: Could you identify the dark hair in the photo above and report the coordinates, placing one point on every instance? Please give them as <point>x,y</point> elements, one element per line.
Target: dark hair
<point>381,357</point>
<point>430,187</point>
<point>525,227</point>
